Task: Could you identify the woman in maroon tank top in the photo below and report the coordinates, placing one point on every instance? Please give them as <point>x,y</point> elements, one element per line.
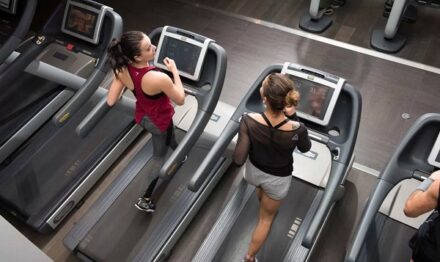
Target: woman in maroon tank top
<point>130,58</point>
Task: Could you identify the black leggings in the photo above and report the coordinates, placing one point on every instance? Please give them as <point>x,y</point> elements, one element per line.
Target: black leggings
<point>161,142</point>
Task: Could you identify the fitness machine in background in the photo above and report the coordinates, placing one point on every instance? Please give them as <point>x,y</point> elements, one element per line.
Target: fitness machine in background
<point>13,28</point>
<point>45,167</point>
<point>384,231</point>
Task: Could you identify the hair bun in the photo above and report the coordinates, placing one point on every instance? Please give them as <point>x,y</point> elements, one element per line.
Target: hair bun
<point>293,97</point>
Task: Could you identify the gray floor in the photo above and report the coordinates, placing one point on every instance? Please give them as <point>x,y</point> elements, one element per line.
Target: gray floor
<point>352,23</point>
<point>388,90</point>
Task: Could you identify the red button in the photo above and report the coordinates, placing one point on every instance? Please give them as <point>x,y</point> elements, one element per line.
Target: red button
<point>70,47</point>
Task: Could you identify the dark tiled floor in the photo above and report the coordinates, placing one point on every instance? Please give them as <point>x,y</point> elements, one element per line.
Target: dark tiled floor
<point>352,23</point>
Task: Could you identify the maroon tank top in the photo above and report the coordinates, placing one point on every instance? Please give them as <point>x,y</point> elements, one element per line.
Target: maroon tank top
<point>157,108</point>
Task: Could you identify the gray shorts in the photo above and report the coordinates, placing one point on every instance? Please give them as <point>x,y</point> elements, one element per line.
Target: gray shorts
<point>274,186</point>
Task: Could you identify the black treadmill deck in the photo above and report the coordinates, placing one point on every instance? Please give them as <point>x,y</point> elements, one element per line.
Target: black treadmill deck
<point>120,233</point>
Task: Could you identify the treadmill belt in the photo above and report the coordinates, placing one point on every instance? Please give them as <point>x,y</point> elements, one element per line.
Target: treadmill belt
<point>387,240</point>
<point>20,101</point>
<point>55,160</point>
<point>121,231</point>
<point>293,207</point>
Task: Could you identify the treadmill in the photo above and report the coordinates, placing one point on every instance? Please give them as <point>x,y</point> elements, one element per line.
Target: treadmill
<point>314,21</point>
<point>45,166</point>
<point>384,231</point>
<point>16,21</point>
<point>318,175</point>
<point>113,229</point>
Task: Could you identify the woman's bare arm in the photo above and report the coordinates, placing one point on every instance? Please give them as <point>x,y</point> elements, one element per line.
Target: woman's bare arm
<point>420,202</point>
<point>115,92</point>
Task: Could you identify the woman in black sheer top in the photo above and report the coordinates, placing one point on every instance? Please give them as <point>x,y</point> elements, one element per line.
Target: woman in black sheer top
<point>267,142</point>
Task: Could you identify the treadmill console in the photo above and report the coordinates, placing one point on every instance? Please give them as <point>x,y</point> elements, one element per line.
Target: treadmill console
<point>434,156</point>
<point>186,50</point>
<point>9,6</point>
<point>83,19</point>
<point>318,94</point>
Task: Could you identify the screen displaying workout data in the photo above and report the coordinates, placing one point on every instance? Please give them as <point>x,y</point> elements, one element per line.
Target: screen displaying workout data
<point>315,97</point>
<point>185,55</point>
<point>81,21</point>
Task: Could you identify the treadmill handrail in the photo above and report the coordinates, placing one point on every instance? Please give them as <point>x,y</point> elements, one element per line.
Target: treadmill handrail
<point>337,174</point>
<point>214,154</point>
<point>339,169</point>
<point>18,65</point>
<point>374,202</point>
<point>318,137</point>
<point>90,121</point>
<point>98,113</point>
<point>49,72</point>
<point>22,28</point>
<point>98,74</point>
<point>203,115</point>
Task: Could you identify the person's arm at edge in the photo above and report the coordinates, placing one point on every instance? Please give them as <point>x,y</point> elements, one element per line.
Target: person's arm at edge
<point>115,92</point>
<point>243,144</point>
<point>304,142</point>
<point>420,202</point>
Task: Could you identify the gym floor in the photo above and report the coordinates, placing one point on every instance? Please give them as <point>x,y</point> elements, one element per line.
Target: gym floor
<point>256,34</point>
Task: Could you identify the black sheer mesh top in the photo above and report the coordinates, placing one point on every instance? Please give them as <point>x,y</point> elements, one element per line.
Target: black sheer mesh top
<point>269,148</point>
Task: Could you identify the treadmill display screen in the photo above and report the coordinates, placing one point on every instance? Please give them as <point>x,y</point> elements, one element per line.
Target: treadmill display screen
<point>184,54</point>
<point>83,21</point>
<point>315,98</point>
<point>187,50</point>
<point>319,92</point>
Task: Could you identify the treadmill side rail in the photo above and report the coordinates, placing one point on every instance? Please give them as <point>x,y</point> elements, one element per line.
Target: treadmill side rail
<point>214,154</point>
<point>205,110</point>
<point>338,171</point>
<point>374,202</point>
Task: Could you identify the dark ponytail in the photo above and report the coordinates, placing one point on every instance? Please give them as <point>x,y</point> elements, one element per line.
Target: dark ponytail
<point>122,51</point>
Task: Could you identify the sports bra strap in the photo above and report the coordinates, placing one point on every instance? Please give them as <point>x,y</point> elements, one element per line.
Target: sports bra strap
<point>266,119</point>
<point>282,123</point>
<point>277,126</point>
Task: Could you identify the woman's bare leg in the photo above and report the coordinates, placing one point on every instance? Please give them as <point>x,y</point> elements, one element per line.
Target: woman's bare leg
<point>268,209</point>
